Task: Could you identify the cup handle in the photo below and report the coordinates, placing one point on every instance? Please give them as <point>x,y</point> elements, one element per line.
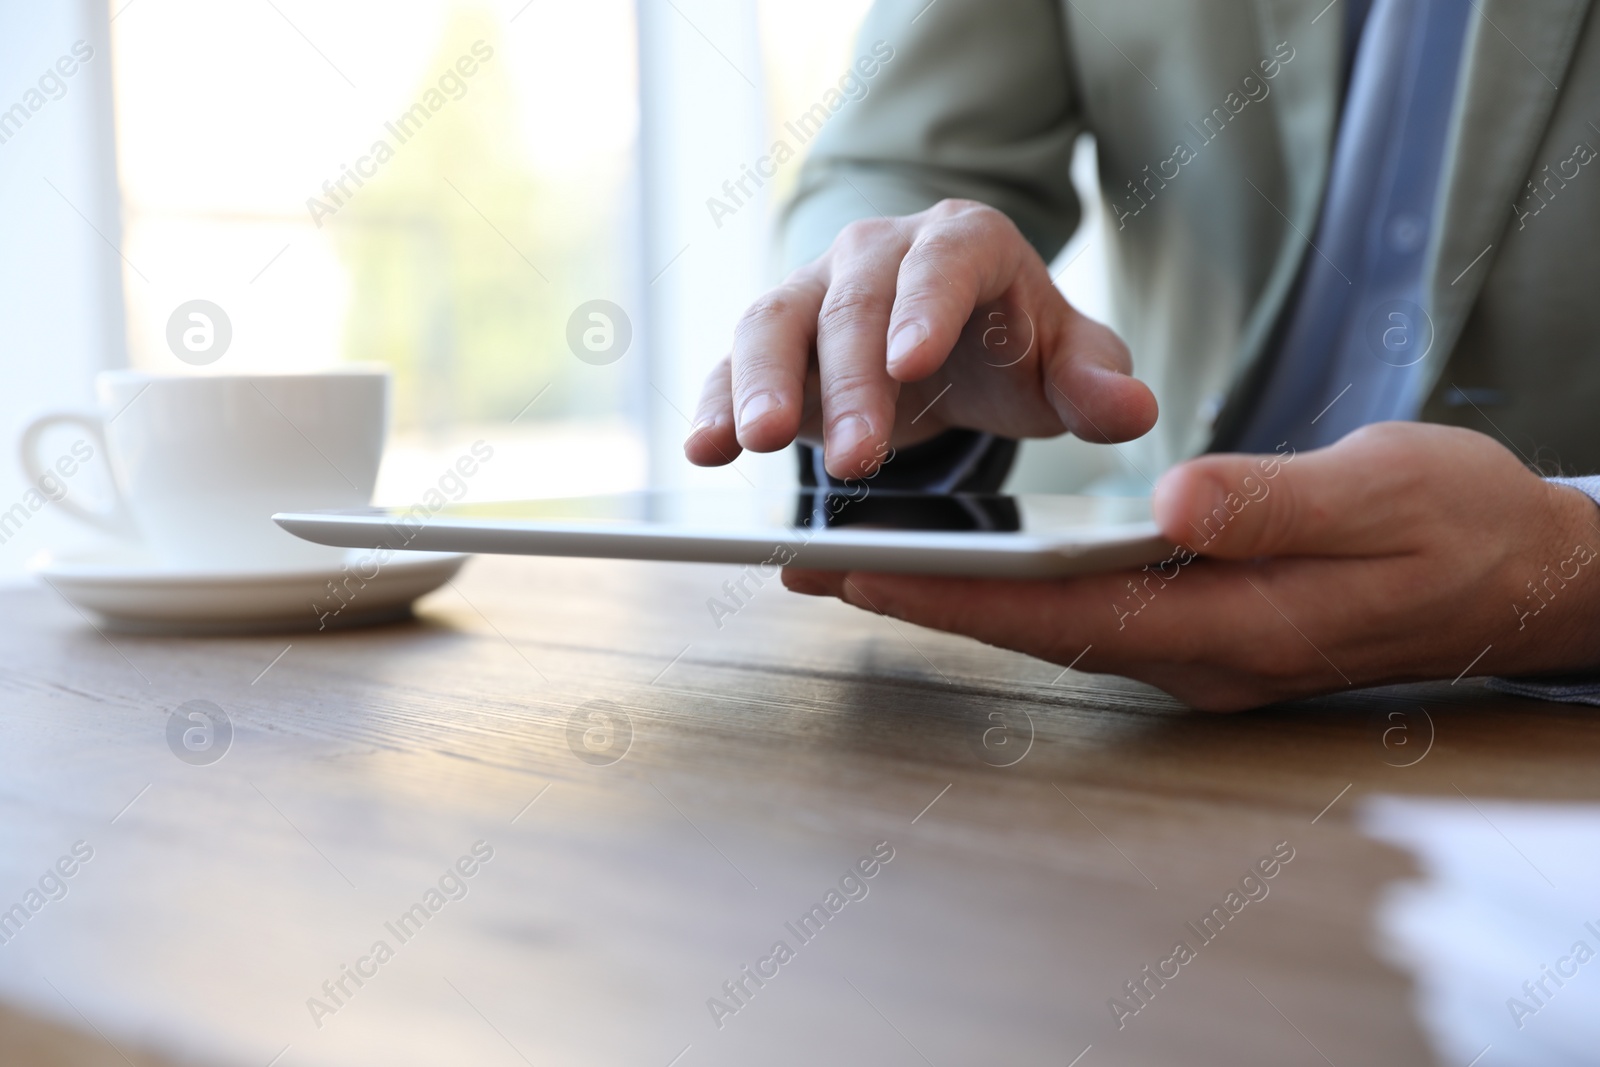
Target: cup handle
<point>115,519</point>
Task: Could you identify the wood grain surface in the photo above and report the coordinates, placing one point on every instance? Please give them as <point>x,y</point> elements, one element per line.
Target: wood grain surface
<point>637,867</point>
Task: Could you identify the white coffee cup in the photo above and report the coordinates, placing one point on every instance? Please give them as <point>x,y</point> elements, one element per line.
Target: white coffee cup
<point>201,463</point>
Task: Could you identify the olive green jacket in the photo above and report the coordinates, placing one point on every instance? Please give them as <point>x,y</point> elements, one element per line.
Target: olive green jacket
<point>985,99</point>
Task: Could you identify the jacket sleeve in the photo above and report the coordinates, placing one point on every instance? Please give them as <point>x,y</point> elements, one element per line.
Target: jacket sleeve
<point>974,100</point>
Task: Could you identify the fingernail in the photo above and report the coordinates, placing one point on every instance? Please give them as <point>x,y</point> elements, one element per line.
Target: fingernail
<point>702,426</point>
<point>846,435</point>
<point>756,407</point>
<point>906,338</point>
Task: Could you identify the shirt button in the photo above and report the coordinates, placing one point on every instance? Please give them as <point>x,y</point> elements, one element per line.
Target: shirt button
<point>1407,232</point>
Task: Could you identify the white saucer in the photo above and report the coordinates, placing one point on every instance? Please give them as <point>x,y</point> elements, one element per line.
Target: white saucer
<point>128,591</point>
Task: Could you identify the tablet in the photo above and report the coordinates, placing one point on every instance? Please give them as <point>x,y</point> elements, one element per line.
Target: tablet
<point>980,536</point>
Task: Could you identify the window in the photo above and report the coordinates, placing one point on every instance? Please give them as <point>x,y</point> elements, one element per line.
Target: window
<point>441,186</point>
<point>433,186</point>
<point>332,177</point>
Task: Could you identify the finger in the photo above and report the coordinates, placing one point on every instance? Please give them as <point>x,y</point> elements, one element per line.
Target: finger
<point>771,352</point>
<point>1139,623</point>
<point>964,254</point>
<point>711,442</point>
<point>1366,495</point>
<point>1039,618</point>
<point>858,396</point>
<point>1087,378</point>
<point>967,256</point>
<point>813,583</point>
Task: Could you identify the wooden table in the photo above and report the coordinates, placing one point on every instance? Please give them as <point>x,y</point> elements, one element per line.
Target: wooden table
<point>766,759</point>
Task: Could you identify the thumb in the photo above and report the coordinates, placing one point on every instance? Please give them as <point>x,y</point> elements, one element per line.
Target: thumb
<point>1088,380</point>
<point>1283,504</point>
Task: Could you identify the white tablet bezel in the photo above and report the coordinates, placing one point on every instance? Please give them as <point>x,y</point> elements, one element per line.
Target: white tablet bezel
<point>1044,553</point>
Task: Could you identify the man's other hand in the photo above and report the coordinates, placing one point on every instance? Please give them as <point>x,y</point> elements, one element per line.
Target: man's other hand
<point>1403,552</point>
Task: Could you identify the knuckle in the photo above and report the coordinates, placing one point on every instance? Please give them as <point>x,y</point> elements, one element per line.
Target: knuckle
<point>955,207</point>
<point>845,388</point>
<point>714,394</point>
<point>944,243</point>
<point>960,240</point>
<point>769,310</point>
<point>971,215</point>
<point>1399,456</point>
<point>848,305</point>
<point>942,261</point>
<point>1284,514</point>
<point>1119,349</point>
<point>747,379</point>
<point>855,394</point>
<point>862,233</point>
<point>1380,436</point>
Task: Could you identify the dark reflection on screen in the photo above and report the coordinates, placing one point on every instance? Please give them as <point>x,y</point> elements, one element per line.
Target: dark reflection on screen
<point>907,511</point>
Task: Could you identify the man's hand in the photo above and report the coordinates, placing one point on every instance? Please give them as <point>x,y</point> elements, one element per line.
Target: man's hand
<point>910,326</point>
<point>1403,552</point>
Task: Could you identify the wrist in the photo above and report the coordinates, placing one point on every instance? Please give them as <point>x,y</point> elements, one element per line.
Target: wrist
<point>1556,609</point>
